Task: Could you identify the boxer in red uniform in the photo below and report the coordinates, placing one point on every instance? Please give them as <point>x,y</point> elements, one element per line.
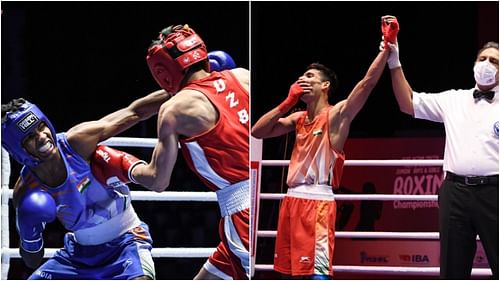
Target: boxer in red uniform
<point>208,116</point>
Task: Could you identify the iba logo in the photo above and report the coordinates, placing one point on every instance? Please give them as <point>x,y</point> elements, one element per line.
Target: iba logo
<point>414,258</point>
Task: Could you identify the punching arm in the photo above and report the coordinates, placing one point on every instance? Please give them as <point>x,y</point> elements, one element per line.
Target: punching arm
<point>157,173</point>
<point>85,136</point>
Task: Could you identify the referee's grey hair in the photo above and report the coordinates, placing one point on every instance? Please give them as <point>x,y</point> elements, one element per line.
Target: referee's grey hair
<point>491,44</point>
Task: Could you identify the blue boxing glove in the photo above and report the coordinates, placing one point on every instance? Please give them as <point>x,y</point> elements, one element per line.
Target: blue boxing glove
<point>220,60</point>
<point>34,210</point>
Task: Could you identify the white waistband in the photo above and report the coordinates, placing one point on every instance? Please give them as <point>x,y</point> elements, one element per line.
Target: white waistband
<point>312,191</point>
<point>234,198</point>
<point>108,230</point>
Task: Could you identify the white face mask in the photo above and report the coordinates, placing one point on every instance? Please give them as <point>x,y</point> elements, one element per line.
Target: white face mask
<point>485,73</point>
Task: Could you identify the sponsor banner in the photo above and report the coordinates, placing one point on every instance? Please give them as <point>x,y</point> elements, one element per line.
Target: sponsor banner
<point>385,252</point>
<point>397,215</point>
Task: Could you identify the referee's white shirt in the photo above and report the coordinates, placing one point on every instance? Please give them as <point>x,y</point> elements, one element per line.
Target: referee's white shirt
<point>471,129</point>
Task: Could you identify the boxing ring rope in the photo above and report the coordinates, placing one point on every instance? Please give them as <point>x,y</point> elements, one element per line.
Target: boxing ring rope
<point>131,142</point>
<point>367,163</point>
<point>370,234</point>
<point>156,252</point>
<point>390,270</point>
<point>199,196</point>
<point>356,197</point>
<point>172,252</point>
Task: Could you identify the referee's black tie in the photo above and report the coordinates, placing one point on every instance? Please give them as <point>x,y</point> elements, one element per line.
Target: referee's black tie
<point>488,95</point>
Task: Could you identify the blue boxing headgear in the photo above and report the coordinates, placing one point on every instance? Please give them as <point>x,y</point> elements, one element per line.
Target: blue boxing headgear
<point>17,126</point>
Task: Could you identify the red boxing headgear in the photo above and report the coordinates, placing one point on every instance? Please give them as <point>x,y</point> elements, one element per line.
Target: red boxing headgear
<point>177,49</point>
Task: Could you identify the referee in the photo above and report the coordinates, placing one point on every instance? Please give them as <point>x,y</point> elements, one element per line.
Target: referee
<point>468,197</point>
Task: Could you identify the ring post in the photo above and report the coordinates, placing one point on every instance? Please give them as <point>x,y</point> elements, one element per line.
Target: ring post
<point>255,166</point>
<point>5,214</point>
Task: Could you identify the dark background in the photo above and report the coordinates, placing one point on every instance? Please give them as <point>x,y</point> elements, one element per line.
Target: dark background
<point>438,44</point>
<point>79,61</point>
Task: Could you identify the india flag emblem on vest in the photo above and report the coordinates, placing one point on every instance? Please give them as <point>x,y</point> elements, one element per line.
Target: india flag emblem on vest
<point>83,184</point>
<point>317,132</point>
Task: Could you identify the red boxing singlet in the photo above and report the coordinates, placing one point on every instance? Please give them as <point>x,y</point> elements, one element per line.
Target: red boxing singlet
<point>220,156</point>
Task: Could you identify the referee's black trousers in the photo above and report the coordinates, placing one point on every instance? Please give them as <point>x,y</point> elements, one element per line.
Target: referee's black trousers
<point>464,212</point>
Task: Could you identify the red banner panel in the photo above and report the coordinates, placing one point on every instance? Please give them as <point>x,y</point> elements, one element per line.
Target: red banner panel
<point>396,215</point>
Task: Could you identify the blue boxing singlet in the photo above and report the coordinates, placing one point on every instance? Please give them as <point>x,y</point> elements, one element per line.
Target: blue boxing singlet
<point>105,232</point>
<point>82,202</point>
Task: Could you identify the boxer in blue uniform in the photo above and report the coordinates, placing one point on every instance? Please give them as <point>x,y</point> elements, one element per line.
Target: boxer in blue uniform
<point>105,239</point>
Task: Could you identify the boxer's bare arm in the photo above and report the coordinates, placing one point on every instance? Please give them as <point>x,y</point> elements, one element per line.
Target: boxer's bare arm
<point>272,124</point>
<point>85,136</point>
<point>188,113</point>
<point>344,112</point>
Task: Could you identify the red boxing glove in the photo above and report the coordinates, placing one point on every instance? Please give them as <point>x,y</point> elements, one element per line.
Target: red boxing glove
<point>390,29</point>
<point>113,167</point>
<point>294,94</point>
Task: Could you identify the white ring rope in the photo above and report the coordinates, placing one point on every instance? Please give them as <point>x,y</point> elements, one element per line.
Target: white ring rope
<point>202,196</point>
<point>395,270</point>
<point>370,234</point>
<point>155,252</point>
<point>133,142</point>
<point>350,197</point>
<point>378,163</point>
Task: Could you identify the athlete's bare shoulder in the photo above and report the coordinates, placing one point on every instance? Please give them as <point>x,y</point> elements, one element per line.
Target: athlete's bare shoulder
<point>243,76</point>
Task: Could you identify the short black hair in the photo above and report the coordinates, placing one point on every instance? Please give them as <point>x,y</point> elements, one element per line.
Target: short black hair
<point>326,74</point>
<point>11,106</point>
